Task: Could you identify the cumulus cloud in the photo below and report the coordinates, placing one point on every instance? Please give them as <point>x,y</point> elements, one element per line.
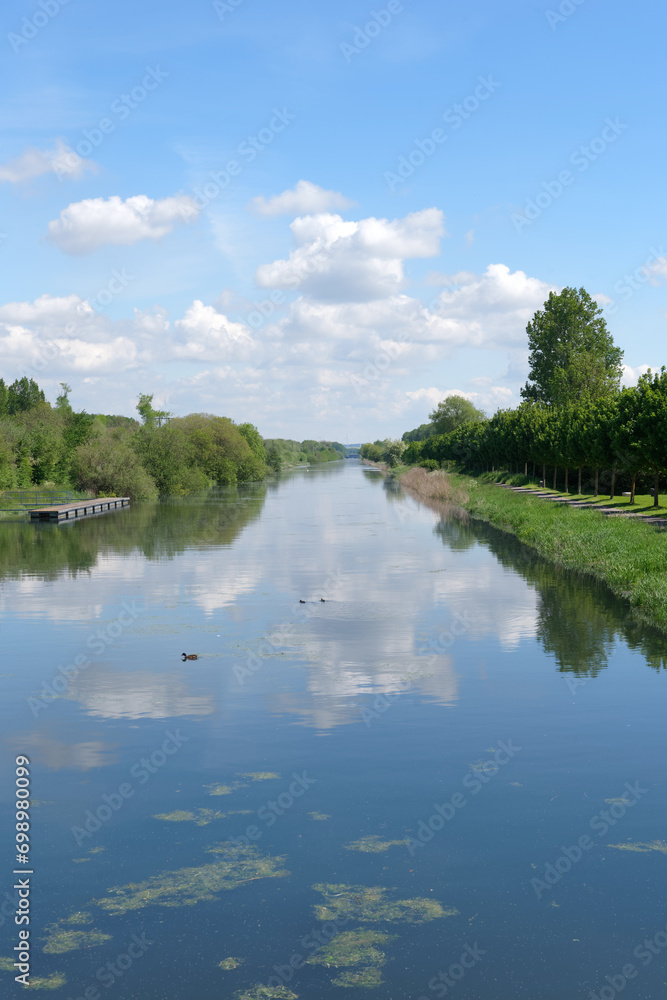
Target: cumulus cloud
<point>34,162</point>
<point>304,198</point>
<point>86,225</point>
<point>207,335</point>
<point>340,261</point>
<point>631,375</point>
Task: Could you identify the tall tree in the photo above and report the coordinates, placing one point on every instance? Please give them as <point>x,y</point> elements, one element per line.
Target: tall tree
<point>450,413</point>
<point>572,354</point>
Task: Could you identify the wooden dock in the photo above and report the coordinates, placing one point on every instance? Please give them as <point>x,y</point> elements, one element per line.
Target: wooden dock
<point>78,508</point>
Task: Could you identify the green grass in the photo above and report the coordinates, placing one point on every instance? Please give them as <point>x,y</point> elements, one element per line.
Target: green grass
<point>629,556</point>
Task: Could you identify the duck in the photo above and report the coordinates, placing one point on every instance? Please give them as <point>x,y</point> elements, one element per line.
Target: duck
<point>301,602</point>
<point>189,656</point>
<point>322,600</point>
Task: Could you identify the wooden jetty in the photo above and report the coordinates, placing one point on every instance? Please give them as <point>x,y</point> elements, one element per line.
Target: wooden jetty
<point>78,508</point>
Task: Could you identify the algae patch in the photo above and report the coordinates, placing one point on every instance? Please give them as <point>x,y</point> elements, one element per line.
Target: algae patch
<point>372,845</point>
<point>202,817</point>
<point>80,917</point>
<point>259,775</point>
<point>52,982</point>
<point>61,940</point>
<point>261,992</point>
<point>230,963</point>
<point>319,815</point>
<point>366,978</point>
<point>6,964</point>
<point>216,789</point>
<point>188,886</point>
<point>653,845</point>
<point>369,904</point>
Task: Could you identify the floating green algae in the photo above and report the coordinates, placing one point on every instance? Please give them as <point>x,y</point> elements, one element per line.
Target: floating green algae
<point>61,940</point>
<point>231,963</point>
<point>366,978</point>
<point>618,802</point>
<point>653,845</point>
<point>372,844</point>
<point>80,861</point>
<point>369,904</point>
<point>259,775</point>
<point>80,917</point>
<point>6,964</point>
<point>96,850</point>
<point>188,886</point>
<point>216,789</point>
<point>202,817</point>
<point>319,815</point>
<point>352,948</point>
<point>261,992</point>
<point>52,982</point>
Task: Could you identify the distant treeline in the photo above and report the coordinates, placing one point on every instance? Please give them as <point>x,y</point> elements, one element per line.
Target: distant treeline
<point>623,434</point>
<point>43,444</point>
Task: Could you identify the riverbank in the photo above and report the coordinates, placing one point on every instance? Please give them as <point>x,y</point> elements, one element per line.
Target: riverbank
<point>630,557</point>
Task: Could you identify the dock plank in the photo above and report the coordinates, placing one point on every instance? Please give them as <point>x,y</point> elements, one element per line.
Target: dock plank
<point>78,508</point>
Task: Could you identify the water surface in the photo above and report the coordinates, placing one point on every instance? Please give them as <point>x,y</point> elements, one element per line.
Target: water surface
<point>470,709</point>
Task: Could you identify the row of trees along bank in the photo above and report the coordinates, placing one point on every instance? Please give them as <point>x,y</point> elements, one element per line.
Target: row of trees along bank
<point>159,454</point>
<point>574,418</point>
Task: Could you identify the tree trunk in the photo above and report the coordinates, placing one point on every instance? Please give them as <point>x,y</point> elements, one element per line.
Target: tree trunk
<point>613,482</point>
<point>579,486</point>
<point>567,479</point>
<point>533,470</point>
<point>544,476</point>
<point>525,470</point>
<point>656,491</point>
<point>632,495</point>
<point>555,472</point>
<point>597,471</point>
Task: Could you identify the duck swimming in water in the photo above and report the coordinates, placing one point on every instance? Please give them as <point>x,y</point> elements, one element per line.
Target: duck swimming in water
<point>189,656</point>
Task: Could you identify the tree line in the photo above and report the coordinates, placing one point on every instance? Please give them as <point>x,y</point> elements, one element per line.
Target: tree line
<point>575,418</point>
<point>158,454</point>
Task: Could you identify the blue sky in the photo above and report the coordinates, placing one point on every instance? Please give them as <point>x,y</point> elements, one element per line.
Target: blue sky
<point>441,168</point>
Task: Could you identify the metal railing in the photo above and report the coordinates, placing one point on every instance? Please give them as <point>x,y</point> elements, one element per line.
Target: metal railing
<point>27,499</point>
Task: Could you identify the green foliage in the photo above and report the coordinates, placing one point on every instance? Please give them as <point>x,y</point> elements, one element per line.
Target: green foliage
<point>284,453</point>
<point>573,356</point>
<point>452,412</point>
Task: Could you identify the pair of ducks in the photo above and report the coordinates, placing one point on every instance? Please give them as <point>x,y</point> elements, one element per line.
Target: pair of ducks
<point>193,656</point>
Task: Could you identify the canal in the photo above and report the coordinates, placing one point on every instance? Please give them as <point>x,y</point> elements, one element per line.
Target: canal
<point>441,775</point>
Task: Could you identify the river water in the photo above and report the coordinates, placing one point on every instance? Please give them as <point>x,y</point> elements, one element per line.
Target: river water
<point>445,780</point>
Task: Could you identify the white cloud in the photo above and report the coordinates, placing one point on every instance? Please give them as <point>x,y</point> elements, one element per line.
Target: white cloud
<point>658,271</point>
<point>34,162</point>
<point>303,199</point>
<point>86,225</point>
<point>340,261</point>
<point>207,335</point>
<point>631,375</point>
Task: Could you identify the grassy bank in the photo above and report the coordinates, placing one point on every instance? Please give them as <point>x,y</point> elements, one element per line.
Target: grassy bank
<point>629,557</point>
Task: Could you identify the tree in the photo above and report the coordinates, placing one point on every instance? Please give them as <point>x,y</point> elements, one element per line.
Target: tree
<point>450,413</point>
<point>24,394</point>
<point>572,354</point>
<point>151,417</point>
